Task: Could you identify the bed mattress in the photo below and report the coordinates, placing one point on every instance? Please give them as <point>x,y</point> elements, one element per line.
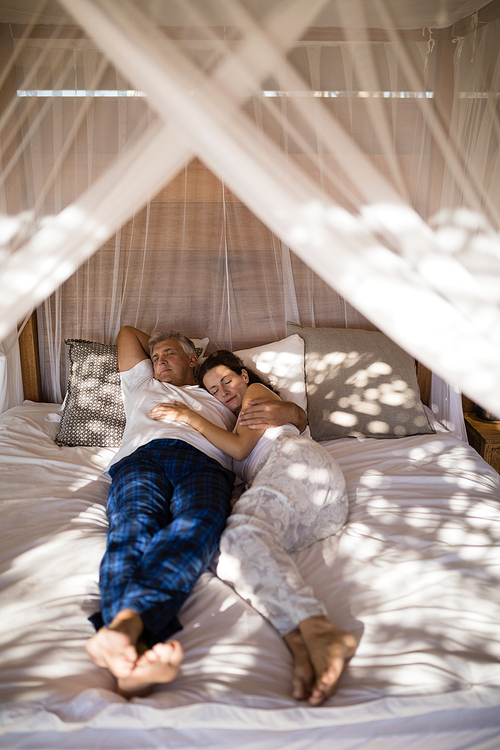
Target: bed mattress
<point>415,574</point>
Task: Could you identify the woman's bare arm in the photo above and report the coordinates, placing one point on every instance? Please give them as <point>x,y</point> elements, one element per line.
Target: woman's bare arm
<point>236,444</point>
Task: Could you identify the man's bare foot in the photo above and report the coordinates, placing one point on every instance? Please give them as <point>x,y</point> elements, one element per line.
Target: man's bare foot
<point>159,664</point>
<point>303,671</point>
<point>115,646</point>
<point>329,647</point>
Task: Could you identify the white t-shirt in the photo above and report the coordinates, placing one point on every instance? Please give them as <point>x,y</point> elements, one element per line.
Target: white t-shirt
<point>141,392</point>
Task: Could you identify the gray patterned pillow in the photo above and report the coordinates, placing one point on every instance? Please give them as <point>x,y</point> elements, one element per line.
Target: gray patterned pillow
<point>360,384</point>
<point>93,412</point>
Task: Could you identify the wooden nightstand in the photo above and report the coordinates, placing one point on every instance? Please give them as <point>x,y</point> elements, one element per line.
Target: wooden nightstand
<point>484,438</point>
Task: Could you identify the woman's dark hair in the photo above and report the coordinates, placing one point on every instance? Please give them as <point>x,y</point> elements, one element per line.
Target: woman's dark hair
<point>234,363</point>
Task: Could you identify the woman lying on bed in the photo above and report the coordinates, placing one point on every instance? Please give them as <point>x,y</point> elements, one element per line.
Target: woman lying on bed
<point>296,497</point>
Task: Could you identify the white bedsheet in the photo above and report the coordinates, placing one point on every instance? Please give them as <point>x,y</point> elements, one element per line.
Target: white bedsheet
<point>415,574</point>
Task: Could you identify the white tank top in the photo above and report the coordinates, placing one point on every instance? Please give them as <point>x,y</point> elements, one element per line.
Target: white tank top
<point>247,469</point>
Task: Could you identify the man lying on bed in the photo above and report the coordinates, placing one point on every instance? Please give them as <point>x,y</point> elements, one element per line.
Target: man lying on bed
<point>168,502</point>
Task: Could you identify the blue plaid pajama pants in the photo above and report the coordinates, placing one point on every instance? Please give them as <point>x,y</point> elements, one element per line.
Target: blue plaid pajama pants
<point>167,506</point>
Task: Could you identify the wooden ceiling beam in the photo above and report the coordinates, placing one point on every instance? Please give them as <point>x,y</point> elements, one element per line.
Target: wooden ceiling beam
<point>321,34</point>
<point>485,15</point>
<point>314,34</point>
<point>197,33</point>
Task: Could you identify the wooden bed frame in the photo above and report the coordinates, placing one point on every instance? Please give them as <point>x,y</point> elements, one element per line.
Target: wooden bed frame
<point>30,360</point>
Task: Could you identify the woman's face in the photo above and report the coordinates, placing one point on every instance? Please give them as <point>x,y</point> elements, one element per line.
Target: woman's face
<point>227,386</point>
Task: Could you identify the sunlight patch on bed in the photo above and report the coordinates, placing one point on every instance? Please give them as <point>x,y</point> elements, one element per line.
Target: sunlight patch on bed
<point>462,506</point>
<point>229,602</point>
<point>102,457</point>
<point>78,483</point>
<point>472,545</point>
<point>428,450</point>
<point>455,458</point>
<point>372,478</point>
<point>424,518</point>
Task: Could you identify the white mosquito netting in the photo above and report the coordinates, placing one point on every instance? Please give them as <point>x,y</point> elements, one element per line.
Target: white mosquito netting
<point>223,166</point>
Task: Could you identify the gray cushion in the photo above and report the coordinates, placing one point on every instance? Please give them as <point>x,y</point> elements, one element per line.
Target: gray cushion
<point>93,412</point>
<point>359,384</point>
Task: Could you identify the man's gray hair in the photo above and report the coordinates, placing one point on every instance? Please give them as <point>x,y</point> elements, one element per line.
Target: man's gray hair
<point>187,344</point>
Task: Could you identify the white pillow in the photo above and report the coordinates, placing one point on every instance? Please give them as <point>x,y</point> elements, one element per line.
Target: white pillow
<point>282,362</point>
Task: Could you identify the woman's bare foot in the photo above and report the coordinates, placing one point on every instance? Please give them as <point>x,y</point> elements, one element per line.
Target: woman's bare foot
<point>329,648</point>
<point>115,646</point>
<point>303,671</point>
<point>159,664</point>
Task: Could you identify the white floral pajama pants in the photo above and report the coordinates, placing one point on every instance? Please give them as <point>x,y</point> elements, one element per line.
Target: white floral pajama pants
<point>297,497</point>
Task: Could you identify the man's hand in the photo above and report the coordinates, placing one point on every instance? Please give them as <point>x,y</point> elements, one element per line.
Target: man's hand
<point>261,413</point>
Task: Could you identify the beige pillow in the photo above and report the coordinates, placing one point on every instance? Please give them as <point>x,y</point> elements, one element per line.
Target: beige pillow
<point>359,384</point>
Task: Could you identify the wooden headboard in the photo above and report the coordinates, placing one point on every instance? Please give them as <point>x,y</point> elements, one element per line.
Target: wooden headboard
<point>424,376</point>
<point>30,360</point>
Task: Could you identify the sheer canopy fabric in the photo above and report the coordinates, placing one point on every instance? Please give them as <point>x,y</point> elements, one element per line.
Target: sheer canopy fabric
<point>227,166</point>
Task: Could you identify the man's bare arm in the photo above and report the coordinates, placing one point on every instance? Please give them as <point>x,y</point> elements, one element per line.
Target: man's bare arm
<point>263,413</point>
<point>132,347</point>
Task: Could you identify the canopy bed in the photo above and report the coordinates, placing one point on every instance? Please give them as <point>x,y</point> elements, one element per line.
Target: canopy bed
<point>314,185</point>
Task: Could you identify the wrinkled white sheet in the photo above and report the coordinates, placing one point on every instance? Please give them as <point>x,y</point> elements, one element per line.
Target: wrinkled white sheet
<point>415,574</point>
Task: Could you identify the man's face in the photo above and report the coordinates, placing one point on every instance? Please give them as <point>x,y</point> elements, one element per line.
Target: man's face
<point>171,364</point>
